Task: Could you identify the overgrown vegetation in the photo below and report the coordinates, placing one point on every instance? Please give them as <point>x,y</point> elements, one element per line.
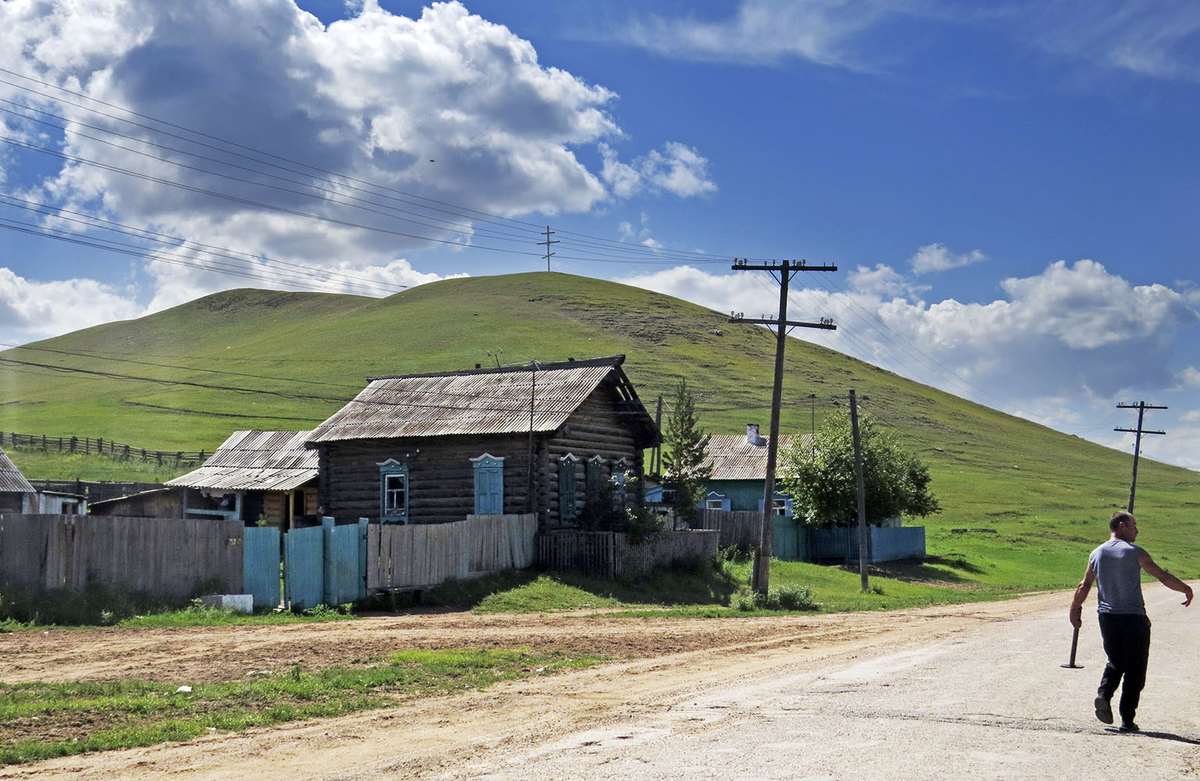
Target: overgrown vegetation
<point>821,478</point>
<point>119,606</point>
<point>43,720</point>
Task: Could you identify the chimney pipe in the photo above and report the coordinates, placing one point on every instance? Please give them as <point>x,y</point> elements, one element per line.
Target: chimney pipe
<point>752,436</point>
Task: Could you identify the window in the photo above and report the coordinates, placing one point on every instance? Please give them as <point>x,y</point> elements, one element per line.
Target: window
<point>780,505</point>
<point>393,492</point>
<point>716,501</point>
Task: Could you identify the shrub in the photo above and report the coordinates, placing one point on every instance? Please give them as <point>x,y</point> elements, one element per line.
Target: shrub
<point>783,598</point>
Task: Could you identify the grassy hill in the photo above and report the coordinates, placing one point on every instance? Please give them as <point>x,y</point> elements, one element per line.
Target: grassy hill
<point>1022,503</point>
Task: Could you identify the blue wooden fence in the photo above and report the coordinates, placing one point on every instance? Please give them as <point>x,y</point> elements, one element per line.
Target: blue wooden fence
<point>260,565</point>
<point>345,561</point>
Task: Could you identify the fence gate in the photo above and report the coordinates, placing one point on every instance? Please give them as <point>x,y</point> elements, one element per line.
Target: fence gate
<point>325,564</point>
<point>304,568</point>
<point>260,565</point>
<point>345,554</point>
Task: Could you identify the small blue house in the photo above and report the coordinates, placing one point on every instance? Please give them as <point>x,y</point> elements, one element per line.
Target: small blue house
<point>739,469</point>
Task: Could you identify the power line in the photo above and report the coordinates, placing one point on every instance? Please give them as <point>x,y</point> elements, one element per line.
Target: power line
<point>648,255</point>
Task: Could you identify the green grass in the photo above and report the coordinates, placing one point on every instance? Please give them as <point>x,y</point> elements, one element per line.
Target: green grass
<point>43,720</point>
<point>1044,495</point>
<point>51,465</point>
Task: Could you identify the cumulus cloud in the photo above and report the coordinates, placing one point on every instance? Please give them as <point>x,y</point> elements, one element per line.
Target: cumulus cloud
<point>935,257</point>
<point>1071,331</point>
<point>1190,377</point>
<point>447,105</point>
<point>677,169</point>
<point>882,281</point>
<point>32,309</point>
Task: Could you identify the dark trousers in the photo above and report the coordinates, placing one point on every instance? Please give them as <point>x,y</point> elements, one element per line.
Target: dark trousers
<point>1127,643</point>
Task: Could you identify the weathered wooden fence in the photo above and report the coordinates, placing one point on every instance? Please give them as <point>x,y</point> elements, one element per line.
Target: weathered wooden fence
<point>737,527</point>
<point>418,556</point>
<point>611,554</point>
<point>162,556</point>
<point>101,446</point>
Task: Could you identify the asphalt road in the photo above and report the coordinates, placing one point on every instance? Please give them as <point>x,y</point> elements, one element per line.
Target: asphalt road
<point>990,702</point>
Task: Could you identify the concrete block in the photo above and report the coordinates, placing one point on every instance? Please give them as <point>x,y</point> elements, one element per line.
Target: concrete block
<point>237,603</point>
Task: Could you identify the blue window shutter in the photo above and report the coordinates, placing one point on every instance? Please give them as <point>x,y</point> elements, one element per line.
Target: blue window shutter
<point>725,504</point>
<point>489,485</point>
<point>566,489</point>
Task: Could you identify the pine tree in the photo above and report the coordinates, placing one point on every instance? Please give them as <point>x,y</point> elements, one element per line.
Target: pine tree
<point>685,453</point>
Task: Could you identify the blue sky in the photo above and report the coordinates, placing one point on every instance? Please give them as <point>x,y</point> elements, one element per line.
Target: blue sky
<point>1010,190</point>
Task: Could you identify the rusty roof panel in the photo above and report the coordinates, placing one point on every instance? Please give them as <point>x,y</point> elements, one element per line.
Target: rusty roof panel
<point>479,402</point>
<point>733,458</point>
<point>256,461</point>
<point>11,479</point>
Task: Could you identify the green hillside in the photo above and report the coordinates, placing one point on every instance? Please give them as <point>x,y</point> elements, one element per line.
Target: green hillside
<point>1019,498</point>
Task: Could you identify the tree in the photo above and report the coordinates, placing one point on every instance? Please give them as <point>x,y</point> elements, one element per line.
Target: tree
<point>820,477</point>
<point>685,453</point>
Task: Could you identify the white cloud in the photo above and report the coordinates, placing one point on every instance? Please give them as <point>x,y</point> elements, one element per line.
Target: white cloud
<point>769,31</point>
<point>935,257</point>
<point>882,281</point>
<point>1069,331</point>
<point>448,105</point>
<point>1190,377</point>
<point>1146,38</point>
<point>1192,416</point>
<point>678,169</point>
<point>32,309</point>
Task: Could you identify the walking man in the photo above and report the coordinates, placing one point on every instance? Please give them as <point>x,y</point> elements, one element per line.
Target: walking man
<point>1116,567</point>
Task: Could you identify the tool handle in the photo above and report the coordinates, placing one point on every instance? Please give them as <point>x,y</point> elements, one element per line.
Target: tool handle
<point>1074,645</point>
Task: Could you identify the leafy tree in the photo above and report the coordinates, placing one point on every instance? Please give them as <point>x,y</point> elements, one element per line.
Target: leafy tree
<point>685,453</point>
<point>613,507</point>
<point>820,477</point>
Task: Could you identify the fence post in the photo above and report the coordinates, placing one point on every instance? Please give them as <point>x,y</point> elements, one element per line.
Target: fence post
<point>326,575</point>
<point>362,557</point>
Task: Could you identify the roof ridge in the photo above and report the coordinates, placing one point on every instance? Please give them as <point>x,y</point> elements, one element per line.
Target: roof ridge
<point>571,363</point>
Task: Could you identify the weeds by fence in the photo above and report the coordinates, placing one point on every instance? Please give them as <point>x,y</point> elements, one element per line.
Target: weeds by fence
<point>105,447</point>
<point>611,554</point>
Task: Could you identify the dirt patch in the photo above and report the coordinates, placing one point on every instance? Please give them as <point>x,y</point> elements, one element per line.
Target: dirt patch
<point>657,662</point>
<point>214,654</point>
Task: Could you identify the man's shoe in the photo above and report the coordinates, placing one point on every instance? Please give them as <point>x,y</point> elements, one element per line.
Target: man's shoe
<point>1104,710</point>
<point>1129,726</point>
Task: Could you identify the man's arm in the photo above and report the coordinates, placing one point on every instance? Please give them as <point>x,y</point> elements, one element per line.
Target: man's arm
<point>1164,577</point>
<point>1075,614</point>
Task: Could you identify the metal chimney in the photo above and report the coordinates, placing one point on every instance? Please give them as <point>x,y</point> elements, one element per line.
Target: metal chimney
<point>752,436</point>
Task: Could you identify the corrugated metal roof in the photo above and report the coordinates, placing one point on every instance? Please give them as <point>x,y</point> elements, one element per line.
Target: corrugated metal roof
<point>484,401</point>
<point>256,461</point>
<point>733,457</point>
<point>11,479</point>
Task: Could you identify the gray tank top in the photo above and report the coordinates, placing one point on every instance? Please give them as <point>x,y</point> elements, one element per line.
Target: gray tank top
<point>1118,577</point>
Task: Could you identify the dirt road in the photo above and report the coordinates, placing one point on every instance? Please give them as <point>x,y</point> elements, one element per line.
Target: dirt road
<point>968,691</point>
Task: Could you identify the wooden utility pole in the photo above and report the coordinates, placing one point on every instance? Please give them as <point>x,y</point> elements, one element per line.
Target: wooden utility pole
<point>656,453</point>
<point>547,243</point>
<point>1141,407</point>
<point>783,271</point>
<point>860,491</point>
